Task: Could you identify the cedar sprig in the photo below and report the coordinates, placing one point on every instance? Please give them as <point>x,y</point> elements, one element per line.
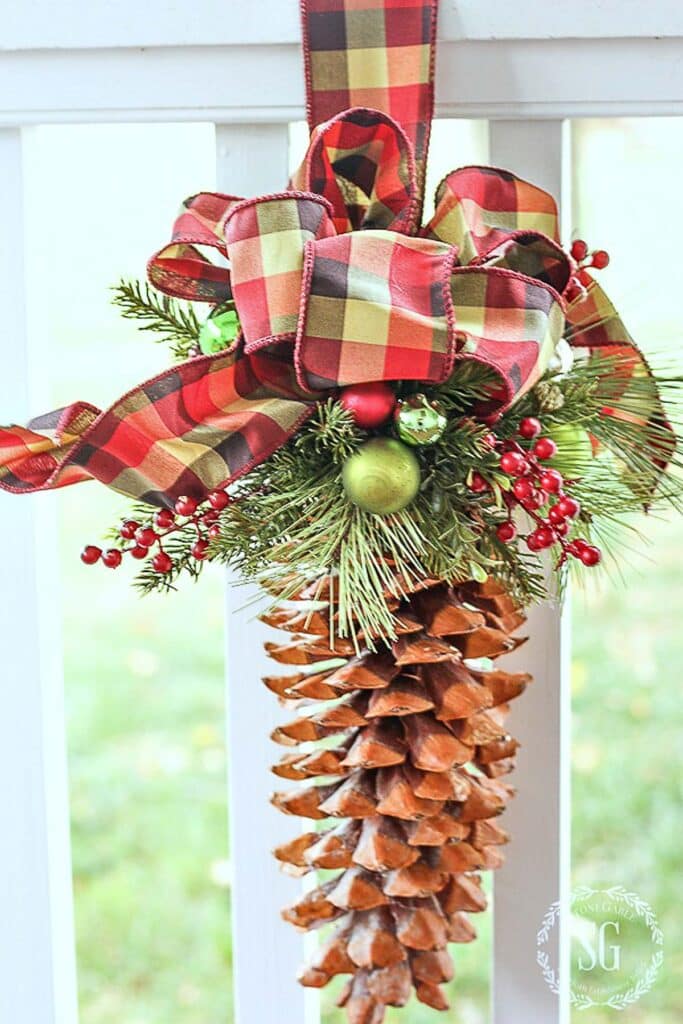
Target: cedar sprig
<point>175,322</point>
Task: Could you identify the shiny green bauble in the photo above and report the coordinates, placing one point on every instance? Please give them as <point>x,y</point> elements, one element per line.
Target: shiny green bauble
<point>383,476</point>
<point>419,421</point>
<point>574,450</point>
<point>218,331</point>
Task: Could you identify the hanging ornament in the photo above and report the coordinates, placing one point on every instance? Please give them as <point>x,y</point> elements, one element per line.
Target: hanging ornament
<point>371,404</point>
<point>383,476</point>
<point>574,450</point>
<point>419,421</point>
<point>219,330</point>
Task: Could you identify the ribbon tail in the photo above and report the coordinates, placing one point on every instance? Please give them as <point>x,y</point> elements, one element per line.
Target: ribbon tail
<point>193,428</point>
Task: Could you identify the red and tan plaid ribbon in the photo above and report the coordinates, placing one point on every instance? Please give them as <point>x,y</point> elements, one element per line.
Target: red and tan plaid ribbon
<point>334,284</point>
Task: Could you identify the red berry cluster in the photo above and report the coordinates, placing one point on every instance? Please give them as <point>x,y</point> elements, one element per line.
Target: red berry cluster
<point>598,259</point>
<point>145,536</point>
<point>535,487</point>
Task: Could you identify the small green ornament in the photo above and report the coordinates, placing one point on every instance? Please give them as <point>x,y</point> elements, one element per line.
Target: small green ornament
<point>383,476</point>
<point>219,330</point>
<point>574,450</point>
<point>419,421</point>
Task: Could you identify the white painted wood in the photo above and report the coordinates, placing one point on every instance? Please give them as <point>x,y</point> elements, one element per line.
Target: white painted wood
<point>537,868</point>
<point>267,952</point>
<point>478,79</point>
<point>74,24</point>
<point>37,962</point>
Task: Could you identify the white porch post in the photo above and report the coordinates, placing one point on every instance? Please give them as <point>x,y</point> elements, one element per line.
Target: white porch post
<point>37,961</point>
<point>253,159</point>
<point>537,868</point>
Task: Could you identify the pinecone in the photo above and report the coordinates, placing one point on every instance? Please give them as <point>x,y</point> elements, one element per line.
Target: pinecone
<point>412,781</point>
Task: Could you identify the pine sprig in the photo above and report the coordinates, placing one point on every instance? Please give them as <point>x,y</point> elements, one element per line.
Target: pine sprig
<point>174,321</point>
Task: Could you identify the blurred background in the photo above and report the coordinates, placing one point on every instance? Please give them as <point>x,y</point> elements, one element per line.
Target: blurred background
<point>144,677</point>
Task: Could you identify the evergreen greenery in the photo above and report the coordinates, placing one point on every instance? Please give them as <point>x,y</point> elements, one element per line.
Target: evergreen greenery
<point>175,322</point>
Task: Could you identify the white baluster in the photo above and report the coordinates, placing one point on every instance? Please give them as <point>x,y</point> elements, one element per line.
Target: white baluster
<point>37,960</point>
<point>537,868</point>
<point>252,160</point>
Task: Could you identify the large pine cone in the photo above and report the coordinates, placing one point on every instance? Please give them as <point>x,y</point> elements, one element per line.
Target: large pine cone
<point>414,776</point>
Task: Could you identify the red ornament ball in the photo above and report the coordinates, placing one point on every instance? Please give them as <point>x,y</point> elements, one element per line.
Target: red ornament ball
<point>112,558</point>
<point>370,404</point>
<point>579,249</point>
<point>530,427</point>
<point>91,554</point>
<point>513,463</point>
<point>545,448</point>
<point>162,562</point>
<point>506,532</point>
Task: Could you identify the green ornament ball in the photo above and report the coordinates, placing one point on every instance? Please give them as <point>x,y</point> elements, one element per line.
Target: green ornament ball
<point>218,331</point>
<point>383,476</point>
<point>419,421</point>
<point>574,450</point>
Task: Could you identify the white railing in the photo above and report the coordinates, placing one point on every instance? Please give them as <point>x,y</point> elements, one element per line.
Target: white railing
<point>527,68</point>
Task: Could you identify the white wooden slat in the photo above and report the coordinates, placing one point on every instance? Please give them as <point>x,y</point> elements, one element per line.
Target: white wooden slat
<point>73,24</point>
<point>478,79</point>
<point>267,952</point>
<point>37,962</point>
<point>537,868</point>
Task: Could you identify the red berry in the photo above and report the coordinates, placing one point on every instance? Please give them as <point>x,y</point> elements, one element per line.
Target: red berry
<point>532,543</point>
<point>590,555</point>
<point>545,448</point>
<point>139,552</point>
<point>218,500</point>
<point>579,249</point>
<point>599,260</point>
<point>513,463</point>
<point>551,481</point>
<point>555,515</point>
<point>199,549</point>
<point>490,440</point>
<point>145,537</point>
<point>583,277</point>
<point>370,404</point>
<point>573,290</point>
<point>506,532</point>
<point>164,519</point>
<point>91,554</point>
<point>478,484</point>
<point>112,558</point>
<point>576,546</point>
<point>522,489</point>
<point>561,528</point>
<point>128,529</point>
<point>162,562</point>
<point>536,500</point>
<point>543,537</point>
<point>569,507</point>
<point>530,427</point>
<point>210,517</point>
<point>214,531</point>
<point>185,506</point>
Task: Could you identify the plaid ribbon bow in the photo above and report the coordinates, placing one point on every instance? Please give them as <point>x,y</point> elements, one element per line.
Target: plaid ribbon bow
<point>335,283</point>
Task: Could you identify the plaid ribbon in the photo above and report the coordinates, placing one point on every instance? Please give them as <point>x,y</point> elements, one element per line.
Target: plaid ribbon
<point>335,284</point>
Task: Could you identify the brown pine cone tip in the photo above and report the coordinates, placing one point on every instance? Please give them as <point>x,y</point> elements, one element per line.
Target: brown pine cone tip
<point>407,745</point>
